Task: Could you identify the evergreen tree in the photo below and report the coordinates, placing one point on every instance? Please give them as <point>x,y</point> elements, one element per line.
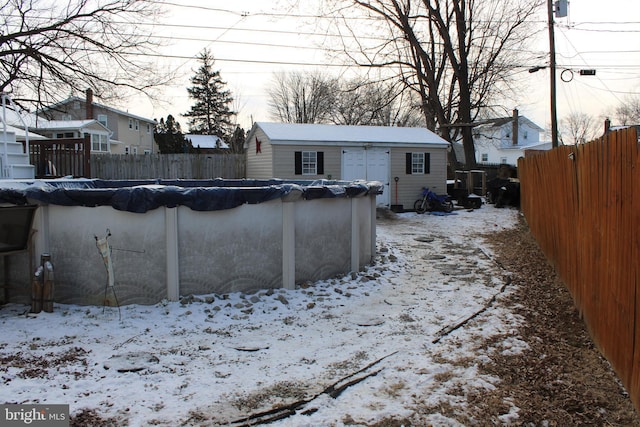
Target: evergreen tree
<point>210,115</point>
<point>236,144</point>
<point>169,137</point>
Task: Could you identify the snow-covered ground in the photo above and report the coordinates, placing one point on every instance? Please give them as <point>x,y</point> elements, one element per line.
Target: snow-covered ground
<point>350,350</point>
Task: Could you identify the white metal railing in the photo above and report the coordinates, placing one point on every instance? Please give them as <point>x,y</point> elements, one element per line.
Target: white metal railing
<point>5,154</point>
<point>6,167</point>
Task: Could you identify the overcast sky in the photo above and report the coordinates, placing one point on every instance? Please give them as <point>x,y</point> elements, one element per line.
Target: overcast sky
<point>252,39</point>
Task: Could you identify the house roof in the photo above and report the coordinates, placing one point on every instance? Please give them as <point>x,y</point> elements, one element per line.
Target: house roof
<point>501,121</point>
<point>34,122</point>
<point>20,134</point>
<point>83,100</point>
<point>540,146</point>
<point>21,118</point>
<point>79,125</point>
<point>66,124</point>
<point>619,127</point>
<point>206,141</point>
<point>296,133</point>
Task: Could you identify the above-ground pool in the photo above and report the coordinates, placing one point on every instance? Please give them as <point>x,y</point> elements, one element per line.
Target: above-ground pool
<point>170,238</point>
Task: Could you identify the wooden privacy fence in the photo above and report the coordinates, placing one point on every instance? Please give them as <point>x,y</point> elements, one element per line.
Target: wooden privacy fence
<point>167,166</point>
<point>581,206</point>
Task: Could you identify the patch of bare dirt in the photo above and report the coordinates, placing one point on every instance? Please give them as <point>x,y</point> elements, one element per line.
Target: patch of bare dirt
<point>45,366</point>
<point>90,418</point>
<point>561,380</point>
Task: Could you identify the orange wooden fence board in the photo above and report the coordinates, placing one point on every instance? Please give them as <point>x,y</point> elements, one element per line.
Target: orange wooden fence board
<point>581,206</point>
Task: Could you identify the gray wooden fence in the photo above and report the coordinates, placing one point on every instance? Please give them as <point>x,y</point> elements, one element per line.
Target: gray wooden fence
<point>167,166</point>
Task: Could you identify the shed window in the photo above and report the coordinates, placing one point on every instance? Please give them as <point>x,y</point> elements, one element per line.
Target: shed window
<point>418,163</point>
<point>309,163</point>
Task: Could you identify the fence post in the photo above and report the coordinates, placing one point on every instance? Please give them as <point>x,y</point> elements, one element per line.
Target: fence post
<point>173,256</point>
<point>355,236</point>
<point>288,245</point>
<point>86,148</point>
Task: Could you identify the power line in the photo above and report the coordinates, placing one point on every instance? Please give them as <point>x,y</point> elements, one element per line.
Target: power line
<point>606,89</point>
<point>593,30</point>
<point>608,23</point>
<point>248,61</point>
<point>598,77</point>
<point>598,52</point>
<point>262,13</point>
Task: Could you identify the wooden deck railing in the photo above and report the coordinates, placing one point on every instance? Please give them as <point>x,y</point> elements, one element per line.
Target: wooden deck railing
<point>55,158</point>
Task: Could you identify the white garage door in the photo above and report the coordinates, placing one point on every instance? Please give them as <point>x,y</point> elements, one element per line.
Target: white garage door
<point>371,165</point>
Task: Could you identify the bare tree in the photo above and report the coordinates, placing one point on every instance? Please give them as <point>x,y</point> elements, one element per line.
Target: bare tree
<point>628,113</point>
<point>578,128</point>
<point>402,108</point>
<point>51,48</point>
<point>357,103</point>
<point>298,97</point>
<point>379,103</point>
<point>458,55</point>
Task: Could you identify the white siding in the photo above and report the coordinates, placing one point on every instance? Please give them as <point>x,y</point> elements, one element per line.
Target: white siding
<point>497,143</point>
<point>260,165</point>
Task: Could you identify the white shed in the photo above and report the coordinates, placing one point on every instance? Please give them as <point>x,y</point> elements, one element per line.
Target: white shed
<point>403,159</point>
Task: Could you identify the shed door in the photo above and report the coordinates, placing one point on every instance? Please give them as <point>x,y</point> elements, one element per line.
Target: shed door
<point>354,164</point>
<point>370,165</point>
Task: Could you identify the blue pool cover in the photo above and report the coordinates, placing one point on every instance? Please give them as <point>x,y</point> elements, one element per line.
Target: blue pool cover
<point>140,196</point>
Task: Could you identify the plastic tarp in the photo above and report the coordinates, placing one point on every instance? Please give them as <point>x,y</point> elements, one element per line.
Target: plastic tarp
<point>140,196</point>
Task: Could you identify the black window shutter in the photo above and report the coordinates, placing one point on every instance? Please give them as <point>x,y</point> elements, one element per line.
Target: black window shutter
<point>320,160</point>
<point>408,164</point>
<point>427,162</point>
<point>298,160</point>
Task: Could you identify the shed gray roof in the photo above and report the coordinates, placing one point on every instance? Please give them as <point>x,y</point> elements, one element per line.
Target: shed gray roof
<point>320,133</point>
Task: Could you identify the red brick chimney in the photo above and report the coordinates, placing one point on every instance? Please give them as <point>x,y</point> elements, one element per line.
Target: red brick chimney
<point>89,104</point>
<point>607,125</point>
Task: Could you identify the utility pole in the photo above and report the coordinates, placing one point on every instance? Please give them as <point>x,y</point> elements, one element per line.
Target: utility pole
<point>552,73</point>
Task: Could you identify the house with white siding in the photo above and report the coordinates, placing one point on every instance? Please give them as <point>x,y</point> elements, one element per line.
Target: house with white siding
<point>403,159</point>
<point>504,140</point>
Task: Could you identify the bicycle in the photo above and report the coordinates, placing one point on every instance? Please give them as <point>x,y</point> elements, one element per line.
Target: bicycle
<point>430,201</point>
